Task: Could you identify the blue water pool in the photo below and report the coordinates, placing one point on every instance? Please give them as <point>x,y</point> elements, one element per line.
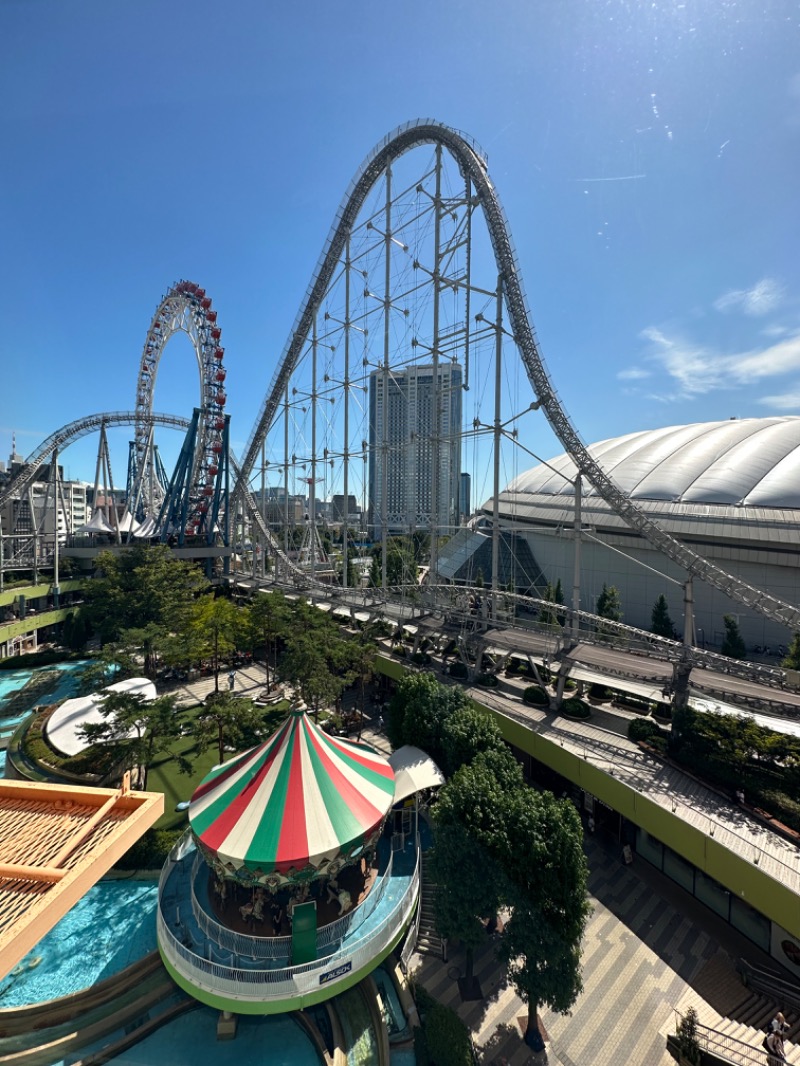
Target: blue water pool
<point>111,927</point>
<point>402,1056</point>
<point>192,1039</point>
<point>13,680</point>
<point>2,762</point>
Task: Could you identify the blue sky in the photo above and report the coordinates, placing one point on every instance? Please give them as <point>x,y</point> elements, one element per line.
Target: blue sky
<point>646,154</point>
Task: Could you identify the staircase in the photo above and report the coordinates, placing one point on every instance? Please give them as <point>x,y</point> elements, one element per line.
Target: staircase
<point>746,1026</point>
<point>428,941</point>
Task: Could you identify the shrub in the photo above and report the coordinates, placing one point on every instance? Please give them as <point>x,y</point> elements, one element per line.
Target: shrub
<point>601,693</point>
<point>447,1038</point>
<point>642,729</point>
<point>151,850</point>
<point>486,680</point>
<point>458,669</point>
<point>35,658</point>
<point>575,708</point>
<point>421,658</point>
<point>664,711</point>
<point>536,696</point>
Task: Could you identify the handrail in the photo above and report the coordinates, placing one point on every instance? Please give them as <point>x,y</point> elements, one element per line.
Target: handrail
<point>337,930</point>
<point>251,984</point>
<point>629,759</point>
<point>770,983</point>
<point>256,947</point>
<point>727,1048</point>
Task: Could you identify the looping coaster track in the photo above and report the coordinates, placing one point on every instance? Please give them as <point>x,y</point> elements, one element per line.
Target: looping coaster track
<point>473,165</point>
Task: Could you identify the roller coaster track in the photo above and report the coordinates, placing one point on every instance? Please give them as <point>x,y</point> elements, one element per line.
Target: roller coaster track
<point>473,166</point>
<point>80,428</point>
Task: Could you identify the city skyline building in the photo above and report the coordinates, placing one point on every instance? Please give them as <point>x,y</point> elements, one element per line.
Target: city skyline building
<point>415,448</point>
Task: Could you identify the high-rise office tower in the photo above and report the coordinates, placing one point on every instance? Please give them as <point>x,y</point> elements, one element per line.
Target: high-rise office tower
<point>408,442</point>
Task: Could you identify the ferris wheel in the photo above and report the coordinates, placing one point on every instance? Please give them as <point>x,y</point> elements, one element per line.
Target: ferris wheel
<point>185,308</point>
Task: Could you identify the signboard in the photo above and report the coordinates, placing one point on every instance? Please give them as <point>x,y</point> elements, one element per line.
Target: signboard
<point>340,971</point>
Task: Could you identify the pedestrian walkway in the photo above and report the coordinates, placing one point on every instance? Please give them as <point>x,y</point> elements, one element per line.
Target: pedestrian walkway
<point>649,947</point>
<point>249,682</point>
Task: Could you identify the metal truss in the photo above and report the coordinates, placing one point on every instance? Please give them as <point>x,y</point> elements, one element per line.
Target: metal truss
<point>371,306</point>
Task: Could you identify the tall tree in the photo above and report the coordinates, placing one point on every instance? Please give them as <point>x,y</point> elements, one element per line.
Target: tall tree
<point>542,852</point>
<point>418,711</point>
<point>138,587</point>
<point>465,734</point>
<point>609,604</point>
<point>469,885</point>
<point>134,730</point>
<point>267,619</point>
<point>228,722</point>
<point>792,660</point>
<point>732,644</point>
<point>660,621</point>
<point>217,623</point>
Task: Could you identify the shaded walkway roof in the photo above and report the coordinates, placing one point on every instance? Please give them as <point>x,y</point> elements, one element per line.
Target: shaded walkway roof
<point>56,841</point>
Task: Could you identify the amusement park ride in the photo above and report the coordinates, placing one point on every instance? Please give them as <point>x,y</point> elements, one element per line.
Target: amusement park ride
<point>417,276</point>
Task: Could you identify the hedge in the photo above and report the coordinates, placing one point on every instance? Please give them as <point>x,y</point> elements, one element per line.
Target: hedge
<point>447,1038</point>
<point>536,696</point>
<point>575,708</point>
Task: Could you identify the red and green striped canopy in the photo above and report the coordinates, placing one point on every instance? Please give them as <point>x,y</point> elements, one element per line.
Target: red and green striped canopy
<point>302,798</point>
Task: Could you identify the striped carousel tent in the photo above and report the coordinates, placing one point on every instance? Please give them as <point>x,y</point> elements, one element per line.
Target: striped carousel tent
<point>302,801</point>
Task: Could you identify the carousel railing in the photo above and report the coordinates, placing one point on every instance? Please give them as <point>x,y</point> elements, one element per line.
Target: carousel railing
<point>253,984</point>
<point>338,929</point>
<point>265,947</point>
<point>256,947</point>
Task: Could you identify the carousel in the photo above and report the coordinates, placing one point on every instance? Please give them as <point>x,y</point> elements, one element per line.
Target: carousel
<point>293,821</point>
<point>289,884</point>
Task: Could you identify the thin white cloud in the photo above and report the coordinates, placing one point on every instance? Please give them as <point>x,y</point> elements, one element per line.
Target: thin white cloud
<point>783,401</point>
<point>699,370</point>
<point>764,297</point>
<point>634,373</point>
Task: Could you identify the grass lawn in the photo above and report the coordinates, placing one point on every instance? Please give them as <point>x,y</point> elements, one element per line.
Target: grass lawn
<point>164,775</point>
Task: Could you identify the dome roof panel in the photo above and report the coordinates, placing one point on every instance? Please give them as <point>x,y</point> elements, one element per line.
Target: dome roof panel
<point>755,461</point>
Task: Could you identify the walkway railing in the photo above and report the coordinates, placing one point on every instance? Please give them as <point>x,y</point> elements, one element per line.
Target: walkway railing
<point>728,1048</point>
<point>770,983</point>
<point>292,981</point>
<point>279,947</point>
<point>628,766</point>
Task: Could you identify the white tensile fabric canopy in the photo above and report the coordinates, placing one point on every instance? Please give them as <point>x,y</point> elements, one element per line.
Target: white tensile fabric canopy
<point>413,772</point>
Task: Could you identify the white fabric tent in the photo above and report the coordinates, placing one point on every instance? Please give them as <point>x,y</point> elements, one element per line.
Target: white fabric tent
<point>65,721</point>
<point>97,524</point>
<point>413,772</point>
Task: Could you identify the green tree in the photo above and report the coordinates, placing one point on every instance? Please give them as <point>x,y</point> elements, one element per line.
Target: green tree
<point>465,734</point>
<point>216,624</point>
<point>732,643</point>
<point>468,888</point>
<point>792,660</point>
<point>228,722</point>
<point>418,711</point>
<point>660,621</point>
<point>552,594</point>
<point>139,586</point>
<point>267,619</point>
<point>134,730</point>
<point>541,850</point>
<point>609,604</point>
<point>306,665</point>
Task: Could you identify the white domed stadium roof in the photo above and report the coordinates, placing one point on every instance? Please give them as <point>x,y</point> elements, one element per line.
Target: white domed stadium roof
<point>751,462</point>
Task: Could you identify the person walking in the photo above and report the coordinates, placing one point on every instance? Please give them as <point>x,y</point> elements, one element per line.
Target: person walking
<point>774,1046</point>
<point>231,680</point>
